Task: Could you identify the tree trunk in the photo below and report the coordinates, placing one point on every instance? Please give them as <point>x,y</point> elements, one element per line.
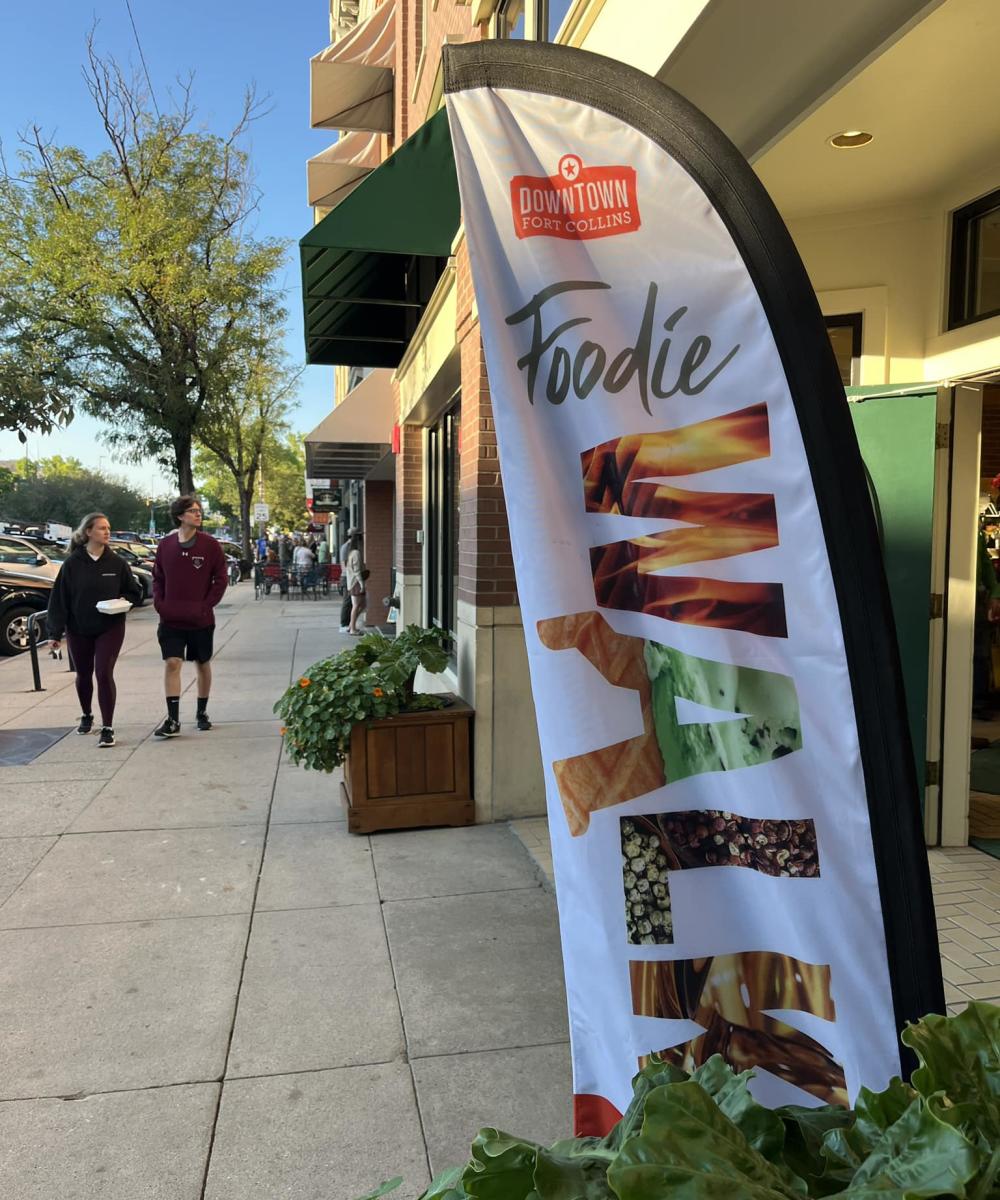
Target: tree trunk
<point>182,459</point>
<point>246,530</point>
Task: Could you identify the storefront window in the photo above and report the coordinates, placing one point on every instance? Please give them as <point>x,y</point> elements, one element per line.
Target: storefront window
<point>975,262</point>
<point>845,337</point>
<point>510,19</point>
<point>443,484</point>
<point>515,18</point>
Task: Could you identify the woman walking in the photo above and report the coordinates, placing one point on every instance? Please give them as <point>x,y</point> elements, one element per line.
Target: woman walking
<point>92,573</point>
<point>356,574</point>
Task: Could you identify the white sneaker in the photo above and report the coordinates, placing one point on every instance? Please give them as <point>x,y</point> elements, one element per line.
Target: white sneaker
<point>344,629</point>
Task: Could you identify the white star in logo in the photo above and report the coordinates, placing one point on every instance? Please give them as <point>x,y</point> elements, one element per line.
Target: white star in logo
<point>570,166</point>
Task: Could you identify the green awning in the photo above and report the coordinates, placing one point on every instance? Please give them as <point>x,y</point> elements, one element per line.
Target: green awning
<point>369,265</point>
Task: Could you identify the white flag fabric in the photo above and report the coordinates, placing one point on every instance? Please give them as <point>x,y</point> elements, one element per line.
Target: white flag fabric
<point>732,805</point>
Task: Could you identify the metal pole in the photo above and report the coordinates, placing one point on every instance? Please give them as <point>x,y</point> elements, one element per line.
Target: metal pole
<point>33,649</point>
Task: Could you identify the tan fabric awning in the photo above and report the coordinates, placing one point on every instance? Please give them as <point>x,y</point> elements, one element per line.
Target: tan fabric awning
<point>351,81</point>
<point>357,435</point>
<point>337,171</point>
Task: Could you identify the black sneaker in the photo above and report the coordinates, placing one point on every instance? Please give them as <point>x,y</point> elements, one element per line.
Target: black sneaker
<point>204,724</point>
<point>107,738</point>
<point>86,723</point>
<point>169,728</point>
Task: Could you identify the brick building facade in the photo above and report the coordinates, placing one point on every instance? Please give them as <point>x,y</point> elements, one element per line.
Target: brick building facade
<point>449,554</point>
<point>490,661</point>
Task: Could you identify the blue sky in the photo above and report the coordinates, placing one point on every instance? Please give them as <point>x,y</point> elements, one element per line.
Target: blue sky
<point>228,45</point>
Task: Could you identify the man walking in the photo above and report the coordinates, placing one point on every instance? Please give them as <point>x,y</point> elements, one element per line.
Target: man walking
<point>189,579</point>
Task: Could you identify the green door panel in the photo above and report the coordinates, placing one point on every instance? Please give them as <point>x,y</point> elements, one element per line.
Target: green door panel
<point>895,432</point>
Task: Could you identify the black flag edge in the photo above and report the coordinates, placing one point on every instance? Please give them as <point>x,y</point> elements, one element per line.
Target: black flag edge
<point>832,453</point>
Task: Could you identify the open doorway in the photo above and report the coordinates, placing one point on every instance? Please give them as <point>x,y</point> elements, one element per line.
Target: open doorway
<point>984,764</point>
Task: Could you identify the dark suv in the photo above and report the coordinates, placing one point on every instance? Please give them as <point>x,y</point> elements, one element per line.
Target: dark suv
<point>18,600</point>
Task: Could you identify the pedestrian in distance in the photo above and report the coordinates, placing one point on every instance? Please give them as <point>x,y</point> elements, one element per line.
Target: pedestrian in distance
<point>303,564</point>
<point>189,580</point>
<point>92,574</point>
<point>322,552</point>
<point>356,576</point>
<point>345,606</point>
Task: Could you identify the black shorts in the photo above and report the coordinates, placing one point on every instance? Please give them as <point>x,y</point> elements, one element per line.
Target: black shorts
<point>193,644</point>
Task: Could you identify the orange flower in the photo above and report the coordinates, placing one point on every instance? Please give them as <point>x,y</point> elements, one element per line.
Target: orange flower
<point>284,730</point>
<point>377,692</point>
<point>304,682</point>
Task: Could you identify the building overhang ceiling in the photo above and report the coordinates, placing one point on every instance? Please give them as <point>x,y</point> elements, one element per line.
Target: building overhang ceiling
<point>780,77</point>
<point>357,436</point>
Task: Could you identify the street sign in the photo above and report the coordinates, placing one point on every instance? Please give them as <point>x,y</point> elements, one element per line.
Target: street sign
<point>261,512</point>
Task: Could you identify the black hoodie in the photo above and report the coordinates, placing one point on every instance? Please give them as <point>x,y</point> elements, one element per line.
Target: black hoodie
<point>81,582</point>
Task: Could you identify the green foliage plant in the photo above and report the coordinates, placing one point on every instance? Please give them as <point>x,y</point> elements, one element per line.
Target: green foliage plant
<point>130,279</point>
<point>62,489</point>
<point>704,1137</point>
<point>373,679</point>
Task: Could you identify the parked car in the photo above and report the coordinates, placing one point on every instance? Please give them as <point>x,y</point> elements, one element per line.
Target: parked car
<point>17,602</point>
<point>140,549</point>
<point>24,560</point>
<point>141,564</point>
<point>56,552</point>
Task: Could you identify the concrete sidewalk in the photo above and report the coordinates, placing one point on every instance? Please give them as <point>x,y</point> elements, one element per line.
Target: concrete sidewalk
<point>209,989</point>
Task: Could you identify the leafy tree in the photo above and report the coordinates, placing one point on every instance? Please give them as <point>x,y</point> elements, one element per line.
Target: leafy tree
<point>56,467</point>
<point>215,485</point>
<point>283,470</point>
<point>285,482</point>
<point>132,272</point>
<point>64,491</point>
<point>33,396</point>
<point>248,409</point>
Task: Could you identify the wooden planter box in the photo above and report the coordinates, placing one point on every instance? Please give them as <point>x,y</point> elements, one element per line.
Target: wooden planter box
<point>410,771</point>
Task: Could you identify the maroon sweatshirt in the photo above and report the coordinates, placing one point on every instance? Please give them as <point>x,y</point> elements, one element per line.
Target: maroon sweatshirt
<point>189,579</point>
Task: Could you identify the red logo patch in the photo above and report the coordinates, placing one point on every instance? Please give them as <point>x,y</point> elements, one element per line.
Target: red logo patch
<point>578,203</point>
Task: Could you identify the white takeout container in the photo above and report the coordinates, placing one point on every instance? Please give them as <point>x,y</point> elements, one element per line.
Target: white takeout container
<point>112,608</point>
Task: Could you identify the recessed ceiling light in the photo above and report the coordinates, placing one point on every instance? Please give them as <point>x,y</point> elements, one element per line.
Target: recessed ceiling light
<point>850,139</point>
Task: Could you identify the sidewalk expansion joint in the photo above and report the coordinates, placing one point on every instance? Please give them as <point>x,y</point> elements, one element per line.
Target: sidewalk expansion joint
<point>76,1097</point>
<point>408,1057</point>
<point>489,1050</point>
<point>352,1066</point>
<point>527,887</point>
<point>243,964</point>
<point>127,921</point>
<point>157,829</point>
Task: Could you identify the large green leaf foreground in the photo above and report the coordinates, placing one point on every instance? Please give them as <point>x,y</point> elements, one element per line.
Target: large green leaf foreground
<point>704,1137</point>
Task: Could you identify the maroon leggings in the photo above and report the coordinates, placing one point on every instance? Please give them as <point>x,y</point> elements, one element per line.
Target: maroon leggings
<point>97,653</point>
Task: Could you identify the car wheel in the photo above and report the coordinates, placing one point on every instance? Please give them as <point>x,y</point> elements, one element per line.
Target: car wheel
<point>14,632</point>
